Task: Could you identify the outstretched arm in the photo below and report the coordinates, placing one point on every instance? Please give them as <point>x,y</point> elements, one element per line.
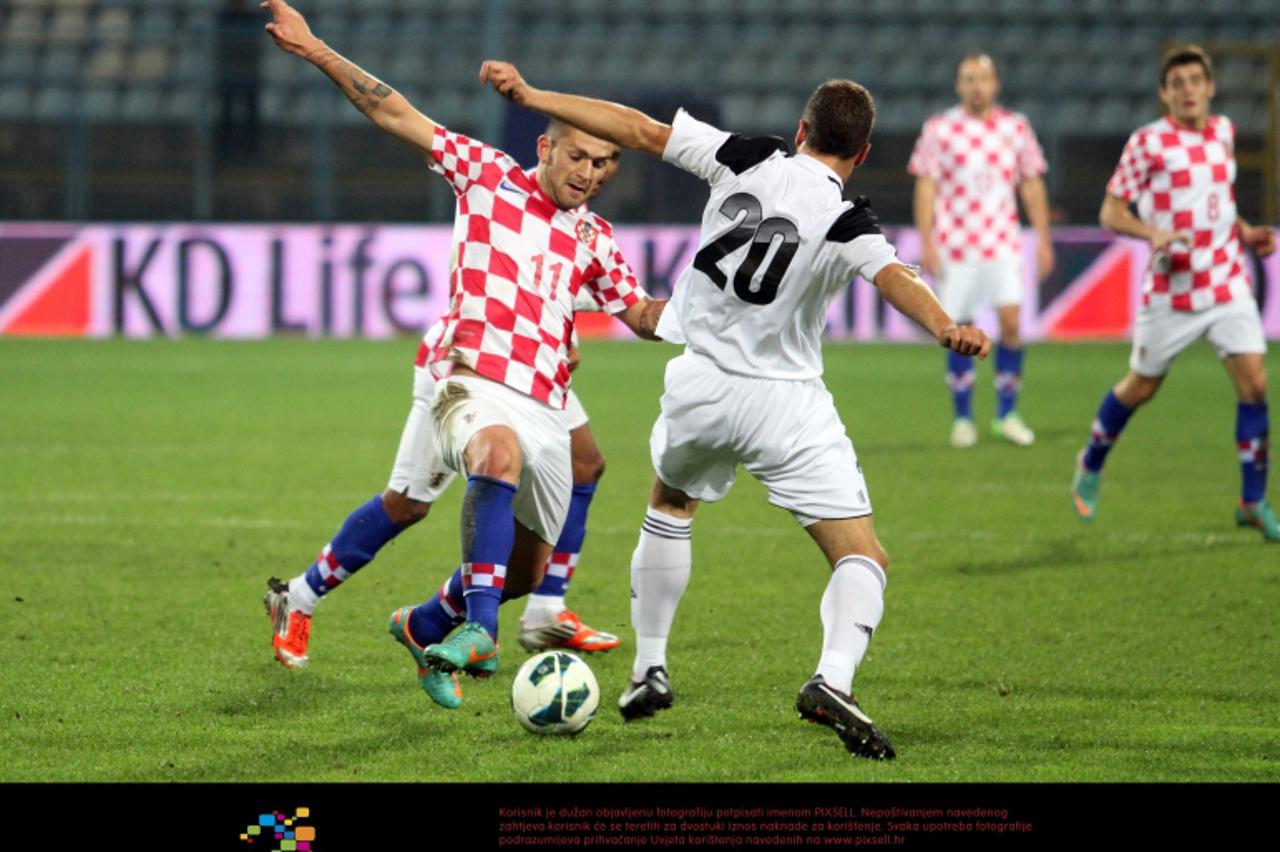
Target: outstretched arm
<point>904,289</point>
<point>621,125</point>
<point>379,102</point>
<point>642,318</point>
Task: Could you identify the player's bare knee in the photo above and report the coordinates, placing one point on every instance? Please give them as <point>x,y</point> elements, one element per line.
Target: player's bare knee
<point>495,453</point>
<point>1135,389</point>
<point>671,501</point>
<point>588,468</point>
<point>404,510</point>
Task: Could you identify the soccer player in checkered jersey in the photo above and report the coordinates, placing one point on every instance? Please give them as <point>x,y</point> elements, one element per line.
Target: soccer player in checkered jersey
<point>778,243</point>
<point>419,476</point>
<point>968,162</point>
<point>1181,171</point>
<point>524,247</point>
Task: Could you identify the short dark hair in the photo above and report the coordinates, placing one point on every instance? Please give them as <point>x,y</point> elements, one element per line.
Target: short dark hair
<point>975,55</point>
<point>839,115</point>
<point>555,129</point>
<point>1185,54</point>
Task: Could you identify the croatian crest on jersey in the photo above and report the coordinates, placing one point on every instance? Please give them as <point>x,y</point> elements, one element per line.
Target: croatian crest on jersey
<point>587,234</point>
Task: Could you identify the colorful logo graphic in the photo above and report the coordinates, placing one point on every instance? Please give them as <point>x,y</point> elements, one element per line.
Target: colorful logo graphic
<point>281,833</point>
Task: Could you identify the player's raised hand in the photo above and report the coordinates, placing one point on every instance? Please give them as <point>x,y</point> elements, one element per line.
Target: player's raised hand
<point>1260,238</point>
<point>505,79</point>
<point>965,339</point>
<point>289,29</point>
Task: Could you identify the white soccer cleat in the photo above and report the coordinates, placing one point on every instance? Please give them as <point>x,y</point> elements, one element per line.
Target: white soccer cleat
<point>963,433</point>
<point>1012,429</point>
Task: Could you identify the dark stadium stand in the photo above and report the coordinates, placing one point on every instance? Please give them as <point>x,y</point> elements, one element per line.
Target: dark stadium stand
<point>1080,69</point>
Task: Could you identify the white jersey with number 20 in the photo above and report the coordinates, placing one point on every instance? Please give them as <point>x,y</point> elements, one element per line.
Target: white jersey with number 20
<point>778,243</point>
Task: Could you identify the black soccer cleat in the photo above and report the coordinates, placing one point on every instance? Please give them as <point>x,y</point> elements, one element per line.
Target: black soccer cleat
<point>647,697</point>
<point>819,703</point>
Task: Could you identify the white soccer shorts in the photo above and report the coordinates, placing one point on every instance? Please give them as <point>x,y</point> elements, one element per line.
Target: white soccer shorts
<point>419,470</point>
<point>786,434</point>
<point>1234,328</point>
<point>464,405</point>
<point>966,289</point>
<point>575,416</point>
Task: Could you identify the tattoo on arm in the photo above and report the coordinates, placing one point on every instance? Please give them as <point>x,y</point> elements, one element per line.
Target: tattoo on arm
<point>649,317</point>
<point>365,92</point>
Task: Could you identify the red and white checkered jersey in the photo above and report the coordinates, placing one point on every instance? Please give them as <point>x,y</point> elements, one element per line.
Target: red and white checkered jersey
<point>778,244</point>
<point>518,262</point>
<point>976,165</point>
<point>1184,180</point>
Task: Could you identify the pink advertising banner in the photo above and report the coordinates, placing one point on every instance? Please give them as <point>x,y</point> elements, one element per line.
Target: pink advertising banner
<point>251,281</point>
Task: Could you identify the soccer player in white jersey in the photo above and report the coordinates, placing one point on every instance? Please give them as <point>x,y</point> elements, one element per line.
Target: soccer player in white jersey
<point>969,163</point>
<point>778,243</point>
<point>419,477</point>
<point>1181,171</point>
<point>524,247</point>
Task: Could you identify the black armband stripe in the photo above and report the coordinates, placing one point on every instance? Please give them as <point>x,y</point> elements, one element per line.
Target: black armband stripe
<point>740,153</point>
<point>858,221</point>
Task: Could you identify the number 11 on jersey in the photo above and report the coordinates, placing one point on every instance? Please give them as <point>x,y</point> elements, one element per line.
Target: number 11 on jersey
<point>556,269</point>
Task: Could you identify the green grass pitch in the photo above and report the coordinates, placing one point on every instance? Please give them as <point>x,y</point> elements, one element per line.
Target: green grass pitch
<point>147,490</point>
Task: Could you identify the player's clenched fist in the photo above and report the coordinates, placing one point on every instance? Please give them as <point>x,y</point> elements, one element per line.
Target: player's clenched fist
<point>289,28</point>
<point>505,79</point>
<point>965,339</point>
<point>1259,238</point>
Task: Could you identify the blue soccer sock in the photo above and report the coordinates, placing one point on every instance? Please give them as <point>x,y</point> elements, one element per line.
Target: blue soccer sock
<point>363,534</point>
<point>433,620</point>
<point>564,559</point>
<point>488,534</point>
<point>1112,416</point>
<point>1252,439</point>
<point>960,378</point>
<point>1008,379</point>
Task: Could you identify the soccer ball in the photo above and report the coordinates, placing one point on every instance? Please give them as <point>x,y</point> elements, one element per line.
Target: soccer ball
<point>555,693</point>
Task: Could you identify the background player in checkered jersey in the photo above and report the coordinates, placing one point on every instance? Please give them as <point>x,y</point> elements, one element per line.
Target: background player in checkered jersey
<point>1180,171</point>
<point>418,478</point>
<point>968,162</point>
<point>778,243</point>
<point>523,248</point>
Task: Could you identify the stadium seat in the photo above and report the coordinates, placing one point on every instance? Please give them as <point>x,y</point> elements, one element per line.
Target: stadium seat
<point>15,101</point>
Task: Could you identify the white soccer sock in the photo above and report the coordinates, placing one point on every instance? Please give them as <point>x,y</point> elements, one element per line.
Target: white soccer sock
<point>660,568</point>
<point>542,610</point>
<point>301,595</point>
<point>851,609</point>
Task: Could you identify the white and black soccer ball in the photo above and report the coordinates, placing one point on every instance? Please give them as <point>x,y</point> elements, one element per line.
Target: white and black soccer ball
<point>555,692</point>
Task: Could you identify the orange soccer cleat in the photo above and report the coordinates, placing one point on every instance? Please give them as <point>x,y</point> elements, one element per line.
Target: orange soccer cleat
<point>567,632</point>
<point>292,626</point>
